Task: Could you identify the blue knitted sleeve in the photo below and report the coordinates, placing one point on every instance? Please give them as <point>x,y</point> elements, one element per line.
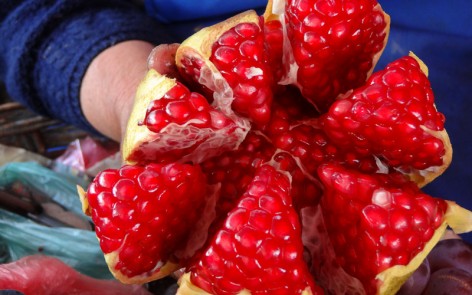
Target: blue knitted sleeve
<point>47,45</point>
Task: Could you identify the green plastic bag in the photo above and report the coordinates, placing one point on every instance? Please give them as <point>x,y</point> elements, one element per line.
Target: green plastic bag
<point>77,248</point>
<point>61,188</point>
<point>20,236</point>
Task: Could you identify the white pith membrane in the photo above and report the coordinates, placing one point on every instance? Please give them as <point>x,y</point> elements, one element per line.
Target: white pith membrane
<point>199,235</point>
<point>328,273</point>
<point>207,142</point>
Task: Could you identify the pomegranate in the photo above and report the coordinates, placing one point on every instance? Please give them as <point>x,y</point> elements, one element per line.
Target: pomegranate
<point>296,164</point>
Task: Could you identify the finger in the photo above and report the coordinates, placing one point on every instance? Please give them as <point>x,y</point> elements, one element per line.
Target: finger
<point>162,59</point>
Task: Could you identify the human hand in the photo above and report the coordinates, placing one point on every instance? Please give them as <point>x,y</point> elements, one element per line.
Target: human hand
<point>162,59</point>
<point>110,82</point>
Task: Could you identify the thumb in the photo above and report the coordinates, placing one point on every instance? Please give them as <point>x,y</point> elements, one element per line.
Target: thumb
<point>162,59</point>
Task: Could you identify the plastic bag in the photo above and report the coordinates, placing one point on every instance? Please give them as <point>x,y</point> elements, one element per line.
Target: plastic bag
<point>30,276</point>
<point>77,248</point>
<point>20,236</point>
<point>90,156</point>
<point>14,154</point>
<point>61,188</point>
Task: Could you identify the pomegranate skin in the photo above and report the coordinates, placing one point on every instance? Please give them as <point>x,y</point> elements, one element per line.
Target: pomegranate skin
<point>448,281</point>
<point>451,253</point>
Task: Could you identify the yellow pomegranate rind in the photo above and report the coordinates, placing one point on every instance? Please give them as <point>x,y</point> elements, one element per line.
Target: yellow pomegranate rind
<point>163,271</point>
<point>84,201</point>
<point>186,287</point>
<point>457,218</point>
<point>424,177</point>
<point>203,40</point>
<point>112,258</point>
<point>153,86</point>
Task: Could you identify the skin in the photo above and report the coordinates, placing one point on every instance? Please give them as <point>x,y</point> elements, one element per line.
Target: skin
<point>108,87</point>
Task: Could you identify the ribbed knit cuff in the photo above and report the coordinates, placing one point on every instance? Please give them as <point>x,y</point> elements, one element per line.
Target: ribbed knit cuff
<point>69,34</point>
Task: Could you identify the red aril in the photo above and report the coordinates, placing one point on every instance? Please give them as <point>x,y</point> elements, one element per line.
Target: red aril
<point>387,226</point>
<point>170,123</point>
<point>258,250</point>
<point>230,60</point>
<point>393,116</point>
<point>145,215</point>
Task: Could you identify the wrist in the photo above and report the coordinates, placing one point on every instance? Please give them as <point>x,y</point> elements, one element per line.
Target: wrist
<point>109,85</point>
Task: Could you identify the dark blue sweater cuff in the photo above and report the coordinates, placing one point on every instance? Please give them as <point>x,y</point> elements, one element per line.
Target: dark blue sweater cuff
<point>45,66</point>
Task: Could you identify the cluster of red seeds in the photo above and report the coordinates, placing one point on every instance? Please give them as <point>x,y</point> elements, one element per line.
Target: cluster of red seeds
<point>239,54</point>
<point>394,104</point>
<point>132,206</point>
<point>386,220</point>
<point>333,43</point>
<point>259,245</point>
<point>180,106</point>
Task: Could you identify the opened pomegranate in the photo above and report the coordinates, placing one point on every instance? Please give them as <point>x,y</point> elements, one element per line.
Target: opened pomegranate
<point>292,162</point>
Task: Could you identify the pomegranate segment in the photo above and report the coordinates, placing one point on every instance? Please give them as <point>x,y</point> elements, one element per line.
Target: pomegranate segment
<point>387,228</point>
<point>170,123</point>
<point>258,249</point>
<point>393,117</point>
<point>230,59</point>
<point>335,45</point>
<point>239,54</point>
<point>144,215</point>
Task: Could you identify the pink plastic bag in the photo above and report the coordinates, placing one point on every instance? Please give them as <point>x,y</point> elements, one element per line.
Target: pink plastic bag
<point>86,153</point>
<point>44,275</point>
